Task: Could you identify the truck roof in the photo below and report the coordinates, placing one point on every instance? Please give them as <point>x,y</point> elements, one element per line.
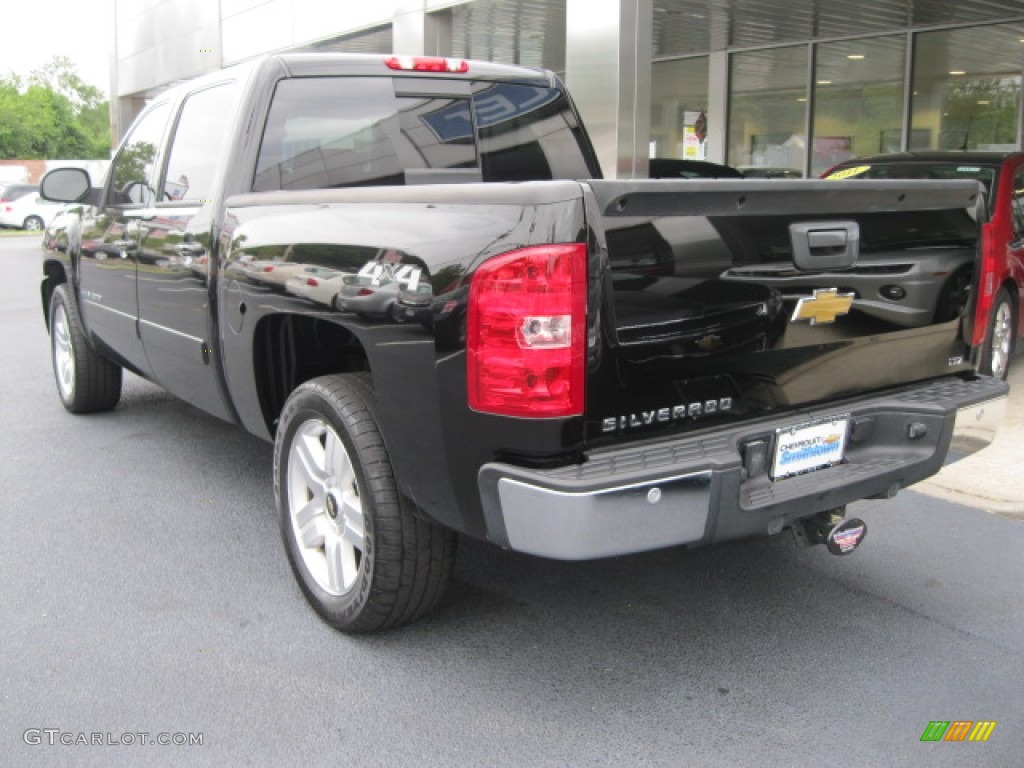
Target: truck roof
<point>328,64</point>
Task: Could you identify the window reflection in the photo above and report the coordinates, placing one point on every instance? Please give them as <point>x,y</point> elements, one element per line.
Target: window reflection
<point>679,100</point>
<point>967,88</point>
<point>768,108</point>
<point>858,99</point>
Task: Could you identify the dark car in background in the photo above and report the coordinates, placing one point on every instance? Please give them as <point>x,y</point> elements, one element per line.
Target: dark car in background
<point>671,168</point>
<point>770,172</point>
<point>999,311</point>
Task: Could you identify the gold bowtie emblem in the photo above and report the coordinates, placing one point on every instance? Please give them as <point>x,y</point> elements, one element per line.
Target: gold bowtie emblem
<point>823,307</point>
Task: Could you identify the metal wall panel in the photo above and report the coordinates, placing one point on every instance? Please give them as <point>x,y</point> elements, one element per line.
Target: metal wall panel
<point>608,71</point>
<point>171,40</point>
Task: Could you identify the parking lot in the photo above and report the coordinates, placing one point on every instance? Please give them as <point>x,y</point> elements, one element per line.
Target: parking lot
<point>145,590</point>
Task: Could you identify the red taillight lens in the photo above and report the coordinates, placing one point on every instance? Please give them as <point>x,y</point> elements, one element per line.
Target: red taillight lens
<point>364,292</point>
<point>987,286</point>
<point>311,281</point>
<point>268,269</point>
<point>426,64</point>
<point>526,332</point>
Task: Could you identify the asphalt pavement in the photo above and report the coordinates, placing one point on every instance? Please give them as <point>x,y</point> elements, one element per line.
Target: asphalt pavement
<point>993,478</point>
<point>144,590</point>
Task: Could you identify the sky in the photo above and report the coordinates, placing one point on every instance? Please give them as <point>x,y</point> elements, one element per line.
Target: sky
<point>34,31</point>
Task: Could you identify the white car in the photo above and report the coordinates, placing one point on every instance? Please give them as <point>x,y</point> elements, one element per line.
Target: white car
<point>317,284</point>
<point>29,212</point>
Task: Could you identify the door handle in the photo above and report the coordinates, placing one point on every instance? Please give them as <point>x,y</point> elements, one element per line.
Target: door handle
<point>824,245</point>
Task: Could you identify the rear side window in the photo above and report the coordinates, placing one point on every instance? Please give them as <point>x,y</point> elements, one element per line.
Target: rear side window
<point>198,143</point>
<point>527,133</point>
<point>325,132</point>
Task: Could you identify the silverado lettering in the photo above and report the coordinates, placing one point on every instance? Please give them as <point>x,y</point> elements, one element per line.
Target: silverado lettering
<point>409,276</point>
<point>666,415</point>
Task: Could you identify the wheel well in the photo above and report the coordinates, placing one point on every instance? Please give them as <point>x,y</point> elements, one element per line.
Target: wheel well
<point>291,349</point>
<point>1011,288</point>
<point>55,275</point>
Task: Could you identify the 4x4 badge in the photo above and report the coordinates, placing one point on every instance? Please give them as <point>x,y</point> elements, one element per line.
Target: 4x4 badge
<point>823,307</point>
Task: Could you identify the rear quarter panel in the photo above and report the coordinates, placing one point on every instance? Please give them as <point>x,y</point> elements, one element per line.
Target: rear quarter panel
<point>416,357</point>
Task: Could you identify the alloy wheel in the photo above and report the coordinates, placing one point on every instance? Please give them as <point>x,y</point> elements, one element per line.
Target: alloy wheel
<point>325,506</point>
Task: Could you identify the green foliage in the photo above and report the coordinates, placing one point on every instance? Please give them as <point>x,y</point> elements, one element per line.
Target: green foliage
<point>52,115</point>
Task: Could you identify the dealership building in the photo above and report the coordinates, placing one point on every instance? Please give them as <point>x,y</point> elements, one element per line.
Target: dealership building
<point>791,84</point>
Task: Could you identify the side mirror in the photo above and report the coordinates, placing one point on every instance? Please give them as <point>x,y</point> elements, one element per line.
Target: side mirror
<point>66,185</point>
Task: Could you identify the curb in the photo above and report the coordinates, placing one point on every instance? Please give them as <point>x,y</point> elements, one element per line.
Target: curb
<point>1011,509</point>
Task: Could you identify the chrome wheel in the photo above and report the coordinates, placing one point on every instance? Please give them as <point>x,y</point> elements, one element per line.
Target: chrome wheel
<point>63,354</point>
<point>1002,339</point>
<point>362,557</point>
<point>33,224</point>
<point>326,511</point>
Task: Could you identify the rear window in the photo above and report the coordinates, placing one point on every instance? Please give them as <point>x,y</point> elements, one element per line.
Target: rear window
<point>986,174</point>
<point>325,132</point>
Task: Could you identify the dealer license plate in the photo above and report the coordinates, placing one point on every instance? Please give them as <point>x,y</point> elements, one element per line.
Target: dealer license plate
<point>811,446</point>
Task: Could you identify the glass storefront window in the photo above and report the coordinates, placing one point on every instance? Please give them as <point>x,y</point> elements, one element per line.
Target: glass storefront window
<point>858,99</point>
<point>768,108</point>
<point>679,99</point>
<point>967,85</point>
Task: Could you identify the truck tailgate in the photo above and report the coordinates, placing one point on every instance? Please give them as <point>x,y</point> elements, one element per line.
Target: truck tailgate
<point>726,300</point>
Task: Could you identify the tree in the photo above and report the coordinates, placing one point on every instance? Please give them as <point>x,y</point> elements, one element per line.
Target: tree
<point>54,114</point>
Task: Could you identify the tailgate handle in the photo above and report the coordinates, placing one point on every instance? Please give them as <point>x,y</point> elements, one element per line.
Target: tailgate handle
<point>824,245</point>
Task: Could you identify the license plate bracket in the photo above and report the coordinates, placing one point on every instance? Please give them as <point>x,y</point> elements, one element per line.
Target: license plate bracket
<point>810,446</point>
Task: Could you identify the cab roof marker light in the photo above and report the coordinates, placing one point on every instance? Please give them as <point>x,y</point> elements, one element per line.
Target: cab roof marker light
<point>426,64</point>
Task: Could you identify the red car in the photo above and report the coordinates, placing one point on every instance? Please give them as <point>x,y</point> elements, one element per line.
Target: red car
<point>999,310</point>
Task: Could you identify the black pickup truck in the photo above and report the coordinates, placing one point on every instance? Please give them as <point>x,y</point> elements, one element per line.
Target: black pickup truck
<point>408,274</point>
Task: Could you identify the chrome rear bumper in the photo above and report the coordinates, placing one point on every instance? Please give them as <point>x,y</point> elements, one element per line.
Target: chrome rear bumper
<point>696,489</point>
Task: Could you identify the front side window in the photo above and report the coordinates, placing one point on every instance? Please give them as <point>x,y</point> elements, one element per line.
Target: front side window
<point>133,171</point>
<point>198,143</point>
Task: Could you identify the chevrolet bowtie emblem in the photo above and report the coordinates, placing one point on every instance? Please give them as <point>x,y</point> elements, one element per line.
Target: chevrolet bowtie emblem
<point>823,307</point>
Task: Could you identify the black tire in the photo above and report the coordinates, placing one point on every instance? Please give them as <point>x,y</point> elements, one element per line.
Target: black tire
<point>33,224</point>
<point>86,381</point>
<point>1000,336</point>
<point>402,562</point>
<point>395,313</point>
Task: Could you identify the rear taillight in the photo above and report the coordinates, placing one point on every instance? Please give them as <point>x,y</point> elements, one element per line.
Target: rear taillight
<point>426,64</point>
<point>364,292</point>
<point>311,282</point>
<point>526,332</point>
<point>986,285</point>
<point>268,269</point>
